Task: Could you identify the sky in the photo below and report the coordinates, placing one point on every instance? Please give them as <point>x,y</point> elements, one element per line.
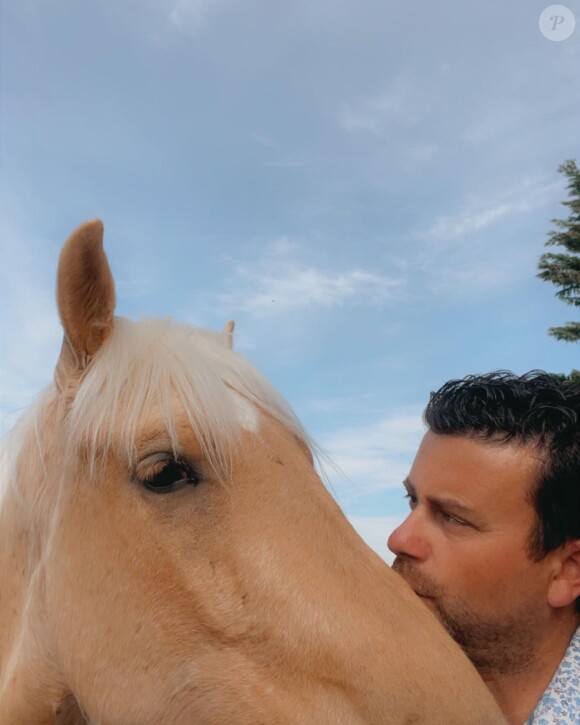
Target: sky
<point>364,186</point>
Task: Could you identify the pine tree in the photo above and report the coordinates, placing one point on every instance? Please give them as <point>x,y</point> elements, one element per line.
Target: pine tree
<point>563,269</point>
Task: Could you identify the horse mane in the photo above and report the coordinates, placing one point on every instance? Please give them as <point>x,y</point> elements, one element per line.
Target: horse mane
<point>152,365</point>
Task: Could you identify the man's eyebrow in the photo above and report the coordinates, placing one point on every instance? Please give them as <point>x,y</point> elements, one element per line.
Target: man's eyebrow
<point>449,504</point>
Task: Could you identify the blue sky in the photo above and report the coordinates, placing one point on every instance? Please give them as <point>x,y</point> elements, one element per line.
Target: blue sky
<point>365,187</point>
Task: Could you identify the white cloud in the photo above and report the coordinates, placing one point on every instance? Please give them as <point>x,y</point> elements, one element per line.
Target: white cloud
<point>459,258</point>
<point>376,456</point>
<point>468,222</point>
<point>265,140</point>
<point>278,284</point>
<point>191,15</point>
<point>477,214</point>
<point>375,531</point>
<point>398,104</point>
<point>161,18</point>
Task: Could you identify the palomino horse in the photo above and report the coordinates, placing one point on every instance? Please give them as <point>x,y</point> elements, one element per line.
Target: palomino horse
<point>168,554</point>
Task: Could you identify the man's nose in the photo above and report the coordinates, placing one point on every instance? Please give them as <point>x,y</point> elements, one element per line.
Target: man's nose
<point>408,539</point>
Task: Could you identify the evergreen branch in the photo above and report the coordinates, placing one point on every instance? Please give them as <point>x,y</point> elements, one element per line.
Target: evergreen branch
<point>570,332</point>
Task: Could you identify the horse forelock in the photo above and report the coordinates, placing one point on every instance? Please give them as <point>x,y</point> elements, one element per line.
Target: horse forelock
<point>171,370</point>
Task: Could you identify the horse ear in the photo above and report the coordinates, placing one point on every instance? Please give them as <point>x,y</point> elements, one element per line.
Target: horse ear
<point>228,333</point>
<point>85,298</point>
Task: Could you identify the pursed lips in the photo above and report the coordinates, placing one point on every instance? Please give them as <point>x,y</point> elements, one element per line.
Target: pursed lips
<point>423,596</point>
<point>418,593</point>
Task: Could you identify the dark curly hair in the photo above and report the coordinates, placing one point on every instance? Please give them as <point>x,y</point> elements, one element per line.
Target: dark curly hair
<point>535,408</point>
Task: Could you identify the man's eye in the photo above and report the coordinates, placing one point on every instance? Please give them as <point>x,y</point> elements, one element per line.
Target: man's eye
<point>449,519</point>
<point>445,517</point>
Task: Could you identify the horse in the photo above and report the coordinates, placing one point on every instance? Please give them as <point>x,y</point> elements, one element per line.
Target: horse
<point>169,554</point>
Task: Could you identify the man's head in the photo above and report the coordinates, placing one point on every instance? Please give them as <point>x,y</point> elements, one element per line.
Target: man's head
<point>493,539</point>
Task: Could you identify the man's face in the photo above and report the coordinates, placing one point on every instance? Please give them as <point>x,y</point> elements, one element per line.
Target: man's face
<point>463,547</point>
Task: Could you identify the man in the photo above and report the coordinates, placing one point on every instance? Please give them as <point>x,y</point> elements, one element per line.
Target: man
<point>492,543</point>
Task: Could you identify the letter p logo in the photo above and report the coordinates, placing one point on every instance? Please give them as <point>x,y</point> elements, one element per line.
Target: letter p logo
<point>557,22</point>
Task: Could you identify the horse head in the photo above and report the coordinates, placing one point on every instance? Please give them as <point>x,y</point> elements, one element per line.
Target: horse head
<point>169,553</point>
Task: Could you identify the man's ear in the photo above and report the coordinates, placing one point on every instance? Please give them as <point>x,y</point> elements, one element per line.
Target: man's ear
<point>565,584</point>
<point>86,299</point>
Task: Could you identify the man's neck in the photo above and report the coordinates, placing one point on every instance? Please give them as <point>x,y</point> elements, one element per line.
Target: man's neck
<point>518,693</point>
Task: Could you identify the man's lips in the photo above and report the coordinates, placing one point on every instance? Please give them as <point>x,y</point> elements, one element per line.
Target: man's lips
<point>401,571</point>
<point>423,596</point>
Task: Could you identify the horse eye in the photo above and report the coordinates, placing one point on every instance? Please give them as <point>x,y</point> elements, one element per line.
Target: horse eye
<point>167,475</point>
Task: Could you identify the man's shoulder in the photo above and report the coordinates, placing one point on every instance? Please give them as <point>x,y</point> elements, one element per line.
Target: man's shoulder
<point>560,704</point>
